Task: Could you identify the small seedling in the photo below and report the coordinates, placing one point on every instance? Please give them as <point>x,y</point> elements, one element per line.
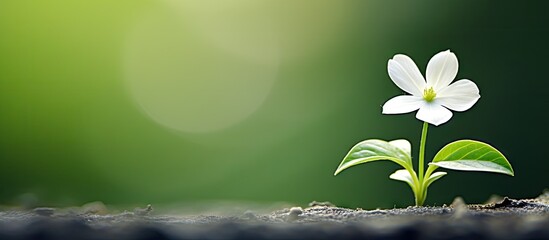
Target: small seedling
<point>434,97</point>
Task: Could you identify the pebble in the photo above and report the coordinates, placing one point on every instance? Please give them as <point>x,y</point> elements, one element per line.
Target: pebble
<point>294,213</point>
<point>44,211</point>
<point>377,211</point>
<point>494,199</point>
<point>95,208</point>
<point>460,208</point>
<point>143,211</point>
<point>323,204</point>
<point>249,215</point>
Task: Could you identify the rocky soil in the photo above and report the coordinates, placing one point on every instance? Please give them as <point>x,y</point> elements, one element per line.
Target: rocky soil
<point>506,219</point>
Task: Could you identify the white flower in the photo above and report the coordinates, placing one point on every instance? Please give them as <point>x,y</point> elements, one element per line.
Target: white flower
<point>435,96</point>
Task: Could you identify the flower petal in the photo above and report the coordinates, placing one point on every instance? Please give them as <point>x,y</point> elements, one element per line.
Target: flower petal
<point>441,70</point>
<point>434,113</point>
<point>459,96</point>
<point>405,74</point>
<point>402,104</point>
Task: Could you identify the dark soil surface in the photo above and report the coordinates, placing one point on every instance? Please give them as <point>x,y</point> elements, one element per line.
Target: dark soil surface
<point>506,219</point>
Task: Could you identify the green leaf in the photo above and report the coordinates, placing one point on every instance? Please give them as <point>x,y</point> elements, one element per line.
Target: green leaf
<point>470,155</point>
<point>404,145</point>
<point>371,150</point>
<point>435,176</point>
<point>403,175</point>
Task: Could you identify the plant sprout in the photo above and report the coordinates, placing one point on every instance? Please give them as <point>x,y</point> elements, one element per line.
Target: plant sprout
<point>433,97</point>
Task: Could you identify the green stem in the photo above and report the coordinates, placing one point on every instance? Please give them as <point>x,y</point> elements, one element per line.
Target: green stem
<point>421,191</point>
<point>422,150</point>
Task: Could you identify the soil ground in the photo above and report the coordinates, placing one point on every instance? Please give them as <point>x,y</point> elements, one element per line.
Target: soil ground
<point>506,219</point>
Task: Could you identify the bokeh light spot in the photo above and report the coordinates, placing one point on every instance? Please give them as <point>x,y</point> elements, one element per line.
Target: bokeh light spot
<point>196,79</point>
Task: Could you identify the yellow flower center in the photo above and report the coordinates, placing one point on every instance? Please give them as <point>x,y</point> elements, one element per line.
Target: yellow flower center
<point>429,94</point>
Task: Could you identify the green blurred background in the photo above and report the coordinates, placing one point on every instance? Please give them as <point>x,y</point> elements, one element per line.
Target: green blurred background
<point>141,101</point>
